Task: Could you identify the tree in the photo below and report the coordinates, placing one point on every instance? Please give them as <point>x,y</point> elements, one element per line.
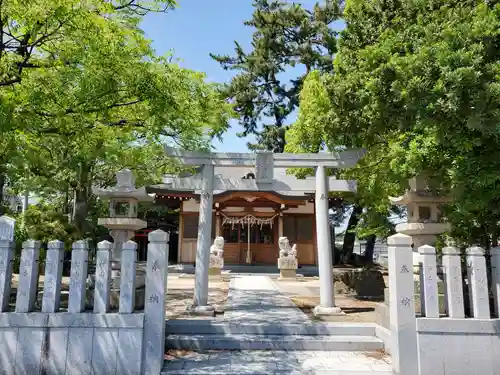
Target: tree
<point>45,43</point>
<point>97,99</point>
<point>416,84</point>
<point>286,36</point>
<point>104,104</point>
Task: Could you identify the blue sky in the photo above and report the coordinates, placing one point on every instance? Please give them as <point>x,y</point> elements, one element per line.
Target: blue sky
<point>199,27</point>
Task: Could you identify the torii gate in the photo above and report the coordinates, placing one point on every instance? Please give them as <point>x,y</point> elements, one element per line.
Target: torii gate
<point>264,163</point>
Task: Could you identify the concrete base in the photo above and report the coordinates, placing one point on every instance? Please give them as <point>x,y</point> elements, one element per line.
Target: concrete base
<point>288,274</point>
<point>201,310</point>
<point>323,311</point>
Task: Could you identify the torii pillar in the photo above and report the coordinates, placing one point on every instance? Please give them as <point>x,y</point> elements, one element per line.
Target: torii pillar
<point>265,162</point>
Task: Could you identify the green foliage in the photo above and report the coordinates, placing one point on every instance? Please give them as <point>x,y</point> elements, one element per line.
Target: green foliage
<point>286,36</point>
<point>82,95</point>
<point>416,83</point>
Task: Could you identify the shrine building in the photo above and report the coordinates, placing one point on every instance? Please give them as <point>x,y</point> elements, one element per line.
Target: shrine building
<point>253,206</point>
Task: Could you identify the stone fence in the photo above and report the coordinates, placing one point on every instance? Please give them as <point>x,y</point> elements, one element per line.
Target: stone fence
<point>454,343</point>
<point>70,341</point>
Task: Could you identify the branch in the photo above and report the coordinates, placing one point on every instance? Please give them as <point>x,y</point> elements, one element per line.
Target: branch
<point>70,111</point>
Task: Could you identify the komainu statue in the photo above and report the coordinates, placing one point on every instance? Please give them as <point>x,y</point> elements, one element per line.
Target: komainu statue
<point>285,249</point>
<point>216,256</point>
<point>217,249</point>
<point>287,261</point>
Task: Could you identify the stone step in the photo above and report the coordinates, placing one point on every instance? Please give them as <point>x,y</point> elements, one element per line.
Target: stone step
<point>273,342</point>
<point>206,327</point>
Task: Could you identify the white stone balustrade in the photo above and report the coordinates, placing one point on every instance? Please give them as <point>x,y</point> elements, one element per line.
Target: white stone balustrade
<point>495,278</point>
<point>6,255</point>
<point>103,277</point>
<point>78,276</point>
<point>27,289</point>
<point>478,283</point>
<point>428,282</point>
<point>80,341</point>
<point>53,275</point>
<point>452,269</point>
<point>127,279</point>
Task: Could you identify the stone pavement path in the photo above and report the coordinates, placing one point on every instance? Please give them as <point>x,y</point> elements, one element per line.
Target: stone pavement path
<point>255,299</point>
<point>280,362</point>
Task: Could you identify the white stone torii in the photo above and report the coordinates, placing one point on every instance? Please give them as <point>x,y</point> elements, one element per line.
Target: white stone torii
<point>264,163</point>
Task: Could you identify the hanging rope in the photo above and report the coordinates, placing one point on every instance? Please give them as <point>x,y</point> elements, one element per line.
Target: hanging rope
<point>248,219</point>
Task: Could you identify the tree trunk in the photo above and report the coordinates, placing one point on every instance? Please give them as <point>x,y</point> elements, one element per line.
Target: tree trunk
<point>2,186</point>
<point>81,201</point>
<point>369,249</point>
<point>350,236</point>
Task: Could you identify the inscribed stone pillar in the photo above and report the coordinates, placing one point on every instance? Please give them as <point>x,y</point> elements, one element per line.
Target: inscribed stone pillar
<point>495,277</point>
<point>28,277</point>
<point>53,277</point>
<point>428,283</point>
<point>154,309</point>
<point>6,254</point>
<point>78,276</point>
<point>325,263</point>
<point>102,277</point>
<point>452,268</point>
<point>403,325</point>
<point>127,277</point>
<point>478,283</point>
<point>200,300</point>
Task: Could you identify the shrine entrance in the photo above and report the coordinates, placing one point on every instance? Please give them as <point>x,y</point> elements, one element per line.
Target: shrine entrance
<point>250,243</point>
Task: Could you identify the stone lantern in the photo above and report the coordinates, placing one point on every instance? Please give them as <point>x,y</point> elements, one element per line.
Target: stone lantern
<point>122,222</point>
<point>424,214</point>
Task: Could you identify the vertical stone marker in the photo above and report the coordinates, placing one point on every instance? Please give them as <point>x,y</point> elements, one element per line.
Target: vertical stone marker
<point>127,280</point>
<point>453,281</point>
<point>28,277</point>
<point>154,309</point>
<point>7,225</point>
<point>403,325</point>
<point>78,276</point>
<point>102,277</point>
<point>478,283</point>
<point>53,274</point>
<point>429,282</point>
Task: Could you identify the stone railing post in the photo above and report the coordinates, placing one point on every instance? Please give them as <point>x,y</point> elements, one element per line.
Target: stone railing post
<point>53,277</point>
<point>6,255</point>
<point>495,278</point>
<point>102,277</point>
<point>154,309</point>
<point>28,277</point>
<point>478,283</point>
<point>428,283</point>
<point>78,276</point>
<point>452,268</point>
<point>403,323</point>
<point>127,277</point>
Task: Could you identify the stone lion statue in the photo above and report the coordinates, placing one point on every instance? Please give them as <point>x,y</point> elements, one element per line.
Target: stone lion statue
<point>217,249</point>
<point>285,249</point>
